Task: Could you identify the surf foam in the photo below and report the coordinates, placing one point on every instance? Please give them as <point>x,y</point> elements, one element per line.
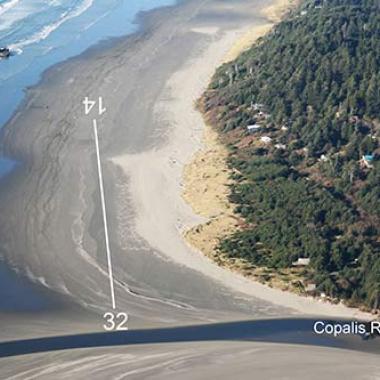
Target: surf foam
<point>45,32</point>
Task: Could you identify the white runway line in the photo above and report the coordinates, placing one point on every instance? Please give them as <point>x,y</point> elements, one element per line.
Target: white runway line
<point>101,187</point>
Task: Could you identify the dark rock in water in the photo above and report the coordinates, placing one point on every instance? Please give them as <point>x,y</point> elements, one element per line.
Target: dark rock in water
<point>4,53</point>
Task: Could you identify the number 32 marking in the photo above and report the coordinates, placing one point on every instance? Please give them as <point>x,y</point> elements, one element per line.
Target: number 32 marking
<point>115,322</point>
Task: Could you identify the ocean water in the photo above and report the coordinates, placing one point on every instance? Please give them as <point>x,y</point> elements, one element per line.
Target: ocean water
<point>41,33</point>
<point>19,294</point>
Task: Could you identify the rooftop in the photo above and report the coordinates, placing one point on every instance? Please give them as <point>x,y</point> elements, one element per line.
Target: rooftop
<point>368,157</point>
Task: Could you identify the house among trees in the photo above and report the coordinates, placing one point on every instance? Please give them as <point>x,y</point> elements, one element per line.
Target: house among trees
<point>301,262</point>
<point>257,106</point>
<point>253,128</point>
<point>367,161</point>
<point>263,115</point>
<point>311,288</point>
<point>266,139</point>
<point>354,119</point>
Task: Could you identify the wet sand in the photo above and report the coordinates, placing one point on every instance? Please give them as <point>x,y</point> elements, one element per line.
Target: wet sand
<point>191,361</point>
<point>53,228</point>
<point>54,231</point>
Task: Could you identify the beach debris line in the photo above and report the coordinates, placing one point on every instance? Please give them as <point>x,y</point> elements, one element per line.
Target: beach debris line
<point>114,321</point>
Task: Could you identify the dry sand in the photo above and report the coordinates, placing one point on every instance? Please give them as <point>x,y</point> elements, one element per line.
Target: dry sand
<point>273,14</point>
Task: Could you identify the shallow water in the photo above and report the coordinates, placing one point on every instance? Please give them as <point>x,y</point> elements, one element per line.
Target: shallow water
<point>41,33</point>
<point>19,294</point>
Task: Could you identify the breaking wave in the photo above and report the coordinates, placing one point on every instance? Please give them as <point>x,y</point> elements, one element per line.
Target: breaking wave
<point>6,6</point>
<point>44,33</point>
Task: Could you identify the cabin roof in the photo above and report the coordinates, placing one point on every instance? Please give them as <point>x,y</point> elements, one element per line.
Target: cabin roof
<point>302,261</point>
<point>368,157</point>
<point>253,126</point>
<point>266,139</point>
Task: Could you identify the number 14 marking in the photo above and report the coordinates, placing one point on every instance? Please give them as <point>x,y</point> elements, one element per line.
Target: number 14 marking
<point>90,104</point>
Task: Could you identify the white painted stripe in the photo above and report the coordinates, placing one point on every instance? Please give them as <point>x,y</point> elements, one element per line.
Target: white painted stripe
<point>101,187</point>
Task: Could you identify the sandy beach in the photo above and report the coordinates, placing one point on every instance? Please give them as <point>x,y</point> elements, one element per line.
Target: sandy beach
<point>53,232</point>
<point>161,218</point>
<point>150,131</point>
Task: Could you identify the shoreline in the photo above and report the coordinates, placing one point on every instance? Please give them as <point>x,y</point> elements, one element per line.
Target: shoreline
<point>53,226</point>
<point>54,234</point>
<point>55,230</point>
<point>146,21</point>
<point>96,36</point>
<point>207,174</point>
